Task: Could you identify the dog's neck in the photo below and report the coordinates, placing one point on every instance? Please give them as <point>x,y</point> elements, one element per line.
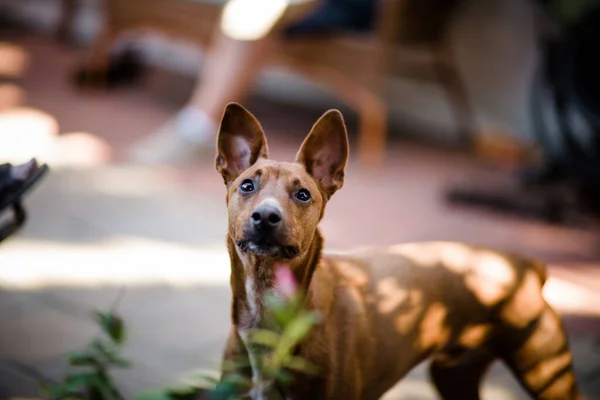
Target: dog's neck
<point>252,276</point>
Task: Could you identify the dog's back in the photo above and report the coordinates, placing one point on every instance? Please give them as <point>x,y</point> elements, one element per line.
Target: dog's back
<point>464,305</point>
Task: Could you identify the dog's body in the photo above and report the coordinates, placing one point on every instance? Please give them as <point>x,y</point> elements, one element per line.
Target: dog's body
<point>384,310</point>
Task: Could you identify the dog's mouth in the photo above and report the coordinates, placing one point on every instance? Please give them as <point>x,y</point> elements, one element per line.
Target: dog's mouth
<point>265,247</point>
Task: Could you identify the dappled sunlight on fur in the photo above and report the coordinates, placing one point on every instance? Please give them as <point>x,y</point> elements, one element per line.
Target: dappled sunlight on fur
<point>432,331</point>
<point>473,336</point>
<point>405,321</point>
<point>354,275</point>
<point>527,303</point>
<point>560,386</point>
<point>390,294</point>
<point>547,368</point>
<point>456,256</point>
<point>545,335</point>
<point>491,279</point>
<point>413,252</point>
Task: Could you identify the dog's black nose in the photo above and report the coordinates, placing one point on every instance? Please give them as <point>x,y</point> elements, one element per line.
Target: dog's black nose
<point>266,217</point>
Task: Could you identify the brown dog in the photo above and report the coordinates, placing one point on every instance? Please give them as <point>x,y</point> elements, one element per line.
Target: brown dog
<point>384,310</point>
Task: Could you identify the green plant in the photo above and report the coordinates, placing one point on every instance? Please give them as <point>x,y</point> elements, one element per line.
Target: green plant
<point>290,325</point>
<point>287,324</point>
<point>91,378</point>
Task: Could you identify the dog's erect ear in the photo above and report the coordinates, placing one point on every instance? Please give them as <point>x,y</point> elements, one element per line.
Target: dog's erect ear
<point>240,143</point>
<point>324,152</point>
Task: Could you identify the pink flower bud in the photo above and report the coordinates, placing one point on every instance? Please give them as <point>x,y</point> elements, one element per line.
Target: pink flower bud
<point>285,281</point>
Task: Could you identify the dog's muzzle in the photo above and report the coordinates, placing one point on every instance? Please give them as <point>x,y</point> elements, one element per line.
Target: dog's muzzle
<point>264,235</point>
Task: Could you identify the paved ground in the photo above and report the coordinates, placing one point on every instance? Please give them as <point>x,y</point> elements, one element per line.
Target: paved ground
<point>101,231</point>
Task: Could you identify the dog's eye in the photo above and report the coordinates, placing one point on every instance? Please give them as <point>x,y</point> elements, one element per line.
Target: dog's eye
<point>303,195</point>
<point>247,186</point>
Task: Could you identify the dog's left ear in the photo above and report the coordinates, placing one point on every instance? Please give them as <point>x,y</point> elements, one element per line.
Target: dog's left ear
<point>324,152</point>
<point>240,143</point>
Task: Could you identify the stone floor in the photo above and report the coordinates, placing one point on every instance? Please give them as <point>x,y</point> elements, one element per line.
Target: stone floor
<point>151,241</point>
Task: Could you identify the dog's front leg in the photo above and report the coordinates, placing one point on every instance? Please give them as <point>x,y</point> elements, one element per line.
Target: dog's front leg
<point>236,361</point>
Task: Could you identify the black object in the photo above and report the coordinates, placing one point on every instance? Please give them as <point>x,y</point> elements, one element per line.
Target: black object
<point>124,68</point>
<point>566,188</point>
<point>11,196</point>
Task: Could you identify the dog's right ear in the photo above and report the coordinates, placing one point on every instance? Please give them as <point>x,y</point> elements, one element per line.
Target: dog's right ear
<point>240,142</point>
<point>324,152</point>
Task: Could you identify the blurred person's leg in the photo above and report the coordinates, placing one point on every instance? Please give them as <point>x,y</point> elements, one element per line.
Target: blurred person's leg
<point>241,49</point>
<point>229,70</point>
<point>238,54</point>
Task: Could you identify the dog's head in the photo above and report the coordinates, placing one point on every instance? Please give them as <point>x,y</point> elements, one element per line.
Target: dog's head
<point>274,207</point>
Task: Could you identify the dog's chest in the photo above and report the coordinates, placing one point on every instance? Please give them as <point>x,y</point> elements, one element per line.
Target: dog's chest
<point>251,314</point>
<point>253,300</point>
<point>252,309</point>
<point>251,317</point>
<point>258,392</point>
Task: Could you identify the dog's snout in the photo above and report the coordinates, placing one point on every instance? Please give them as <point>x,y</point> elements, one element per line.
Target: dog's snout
<point>266,217</point>
<point>265,231</point>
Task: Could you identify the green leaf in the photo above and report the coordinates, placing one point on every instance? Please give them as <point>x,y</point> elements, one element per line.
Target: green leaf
<point>300,365</point>
<point>274,302</point>
<point>78,382</point>
<point>194,395</point>
<point>112,325</point>
<point>103,384</point>
<point>223,392</point>
<point>182,390</point>
<point>94,394</point>
<point>282,311</point>
<point>200,379</point>
<point>284,377</point>
<point>81,359</point>
<point>295,332</point>
<point>155,395</point>
<point>99,350</point>
<point>235,365</point>
<point>108,354</point>
<point>236,380</point>
<point>264,337</point>
<point>120,362</point>
<point>231,386</point>
<point>100,347</point>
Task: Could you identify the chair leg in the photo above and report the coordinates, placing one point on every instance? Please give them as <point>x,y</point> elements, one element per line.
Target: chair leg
<point>372,132</point>
<point>458,96</point>
<point>65,27</point>
<point>370,105</point>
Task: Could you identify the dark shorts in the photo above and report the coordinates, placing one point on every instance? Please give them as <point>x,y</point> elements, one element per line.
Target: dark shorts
<point>336,15</point>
